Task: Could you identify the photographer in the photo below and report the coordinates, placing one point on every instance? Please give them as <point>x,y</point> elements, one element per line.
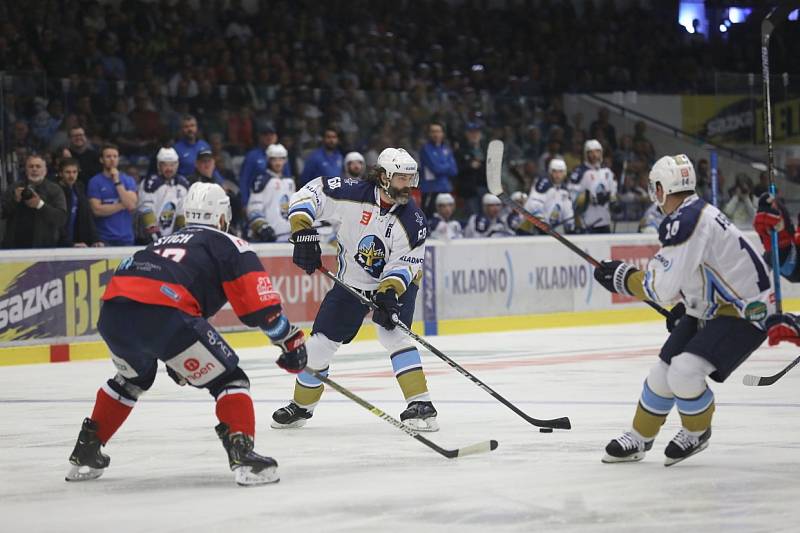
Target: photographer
<point>741,208</point>
<point>34,209</point>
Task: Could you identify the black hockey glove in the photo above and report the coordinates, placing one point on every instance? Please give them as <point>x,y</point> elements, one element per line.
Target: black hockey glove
<point>388,307</point>
<point>266,234</point>
<point>602,198</point>
<point>177,378</point>
<point>294,356</point>
<point>613,275</point>
<point>675,315</point>
<point>307,253</point>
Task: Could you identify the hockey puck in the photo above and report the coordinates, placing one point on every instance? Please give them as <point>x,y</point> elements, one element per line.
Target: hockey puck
<point>545,430</point>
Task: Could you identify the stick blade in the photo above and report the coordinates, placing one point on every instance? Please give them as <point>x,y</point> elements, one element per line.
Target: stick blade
<point>494,166</point>
<point>481,447</point>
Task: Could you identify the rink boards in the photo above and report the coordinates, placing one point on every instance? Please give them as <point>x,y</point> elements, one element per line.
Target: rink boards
<point>50,299</point>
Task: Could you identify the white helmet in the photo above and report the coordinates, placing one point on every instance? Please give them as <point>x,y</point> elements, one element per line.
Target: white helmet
<point>675,173</point>
<point>167,155</point>
<point>204,204</point>
<point>557,164</point>
<point>398,161</point>
<point>445,198</point>
<point>277,151</point>
<point>353,156</point>
<point>592,144</point>
<point>491,199</point>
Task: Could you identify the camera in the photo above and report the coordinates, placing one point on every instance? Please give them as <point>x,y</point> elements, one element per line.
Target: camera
<point>27,193</point>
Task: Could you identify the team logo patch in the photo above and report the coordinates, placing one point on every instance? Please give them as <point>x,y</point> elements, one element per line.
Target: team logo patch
<point>371,255</point>
<point>419,218</point>
<point>191,364</point>
<point>755,311</point>
<point>167,215</point>
<point>351,181</point>
<point>284,205</point>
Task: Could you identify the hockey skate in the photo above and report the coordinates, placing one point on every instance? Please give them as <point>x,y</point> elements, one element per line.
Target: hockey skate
<point>291,416</point>
<point>684,445</point>
<point>87,461</point>
<point>420,416</point>
<point>250,468</point>
<point>628,447</point>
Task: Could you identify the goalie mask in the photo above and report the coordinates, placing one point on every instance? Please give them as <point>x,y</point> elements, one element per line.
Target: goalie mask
<point>397,161</point>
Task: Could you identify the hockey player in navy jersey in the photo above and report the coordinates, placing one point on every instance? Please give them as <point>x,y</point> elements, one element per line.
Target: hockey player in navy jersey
<point>381,244</point>
<point>706,266</point>
<point>157,305</point>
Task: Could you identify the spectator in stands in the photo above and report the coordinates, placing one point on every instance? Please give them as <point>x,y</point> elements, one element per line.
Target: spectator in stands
<point>437,167</point>
<point>354,165</point>
<point>470,184</point>
<point>762,186</point>
<point>79,230</point>
<point>88,158</point>
<point>741,208</point>
<point>489,223</point>
<point>189,145</point>
<point>441,225</point>
<point>21,136</point>
<point>326,160</point>
<point>642,144</point>
<point>112,197</point>
<point>33,208</point>
<point>603,126</point>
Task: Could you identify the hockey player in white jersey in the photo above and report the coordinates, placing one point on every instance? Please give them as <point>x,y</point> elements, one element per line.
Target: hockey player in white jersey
<point>550,200</point>
<point>593,189</point>
<point>381,246</point>
<point>161,197</point>
<point>268,204</point>
<point>721,283</point>
<point>489,222</point>
<point>442,226</point>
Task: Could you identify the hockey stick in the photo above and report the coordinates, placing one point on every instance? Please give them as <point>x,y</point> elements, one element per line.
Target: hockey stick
<point>556,423</point>
<point>494,162</point>
<point>757,381</point>
<point>775,17</point>
<point>481,447</point>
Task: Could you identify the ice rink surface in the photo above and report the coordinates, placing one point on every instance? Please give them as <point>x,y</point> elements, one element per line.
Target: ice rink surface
<point>349,471</point>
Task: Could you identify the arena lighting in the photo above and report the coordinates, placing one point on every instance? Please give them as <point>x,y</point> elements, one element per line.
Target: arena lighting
<point>794,14</point>
<point>723,28</point>
<point>739,14</point>
<point>689,10</point>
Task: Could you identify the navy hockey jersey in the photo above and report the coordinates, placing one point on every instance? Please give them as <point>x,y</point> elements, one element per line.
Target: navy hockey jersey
<point>197,270</point>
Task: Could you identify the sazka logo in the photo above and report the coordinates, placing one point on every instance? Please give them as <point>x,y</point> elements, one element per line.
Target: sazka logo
<point>371,255</point>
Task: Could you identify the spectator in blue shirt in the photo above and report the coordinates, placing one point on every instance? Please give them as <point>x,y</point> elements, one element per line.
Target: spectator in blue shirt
<point>437,167</point>
<point>189,145</point>
<point>113,198</point>
<point>326,160</point>
<point>255,162</point>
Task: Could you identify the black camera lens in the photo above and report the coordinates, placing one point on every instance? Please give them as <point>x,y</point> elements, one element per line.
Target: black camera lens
<point>27,194</point>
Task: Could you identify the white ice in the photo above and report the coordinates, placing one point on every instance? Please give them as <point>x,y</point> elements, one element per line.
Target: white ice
<point>347,470</point>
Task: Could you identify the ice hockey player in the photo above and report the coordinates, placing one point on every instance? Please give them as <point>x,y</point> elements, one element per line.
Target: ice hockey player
<point>593,189</point>
<point>724,289</point>
<point>354,165</point>
<point>550,200</point>
<point>381,244</point>
<point>488,223</point>
<point>161,197</point>
<point>442,226</point>
<point>513,219</point>
<point>268,206</point>
<point>156,306</point>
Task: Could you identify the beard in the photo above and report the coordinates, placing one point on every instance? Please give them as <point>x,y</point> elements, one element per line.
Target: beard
<point>400,196</point>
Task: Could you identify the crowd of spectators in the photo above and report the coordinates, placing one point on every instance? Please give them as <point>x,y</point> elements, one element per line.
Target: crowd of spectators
<point>327,78</point>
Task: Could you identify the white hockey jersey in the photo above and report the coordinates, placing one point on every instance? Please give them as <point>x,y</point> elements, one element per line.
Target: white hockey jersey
<point>479,226</point>
<point>593,180</point>
<point>161,202</point>
<point>444,230</point>
<point>708,263</point>
<point>552,204</point>
<point>376,246</point>
<point>269,202</point>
